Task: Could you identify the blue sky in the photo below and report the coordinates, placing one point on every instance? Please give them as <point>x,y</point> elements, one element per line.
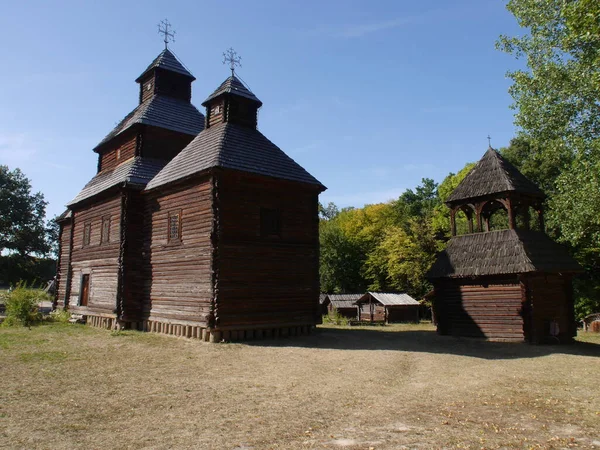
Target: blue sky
<point>369,96</point>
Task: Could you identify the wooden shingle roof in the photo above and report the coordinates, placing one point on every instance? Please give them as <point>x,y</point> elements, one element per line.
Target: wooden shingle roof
<point>390,299</point>
<point>232,146</point>
<point>232,85</point>
<point>344,300</point>
<point>500,253</point>
<point>493,175</point>
<point>164,112</point>
<point>166,60</point>
<point>135,172</point>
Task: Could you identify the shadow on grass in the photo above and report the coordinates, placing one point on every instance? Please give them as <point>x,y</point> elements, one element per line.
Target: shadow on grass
<point>426,342</point>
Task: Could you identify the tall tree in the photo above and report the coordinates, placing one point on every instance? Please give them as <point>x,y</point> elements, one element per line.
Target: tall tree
<point>22,227</point>
<point>557,103</point>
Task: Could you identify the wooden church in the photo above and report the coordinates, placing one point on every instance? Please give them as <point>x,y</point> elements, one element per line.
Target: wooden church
<point>195,225</point>
<point>509,284</point>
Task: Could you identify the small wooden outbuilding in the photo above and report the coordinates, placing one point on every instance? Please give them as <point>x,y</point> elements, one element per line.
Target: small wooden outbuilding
<point>344,305</point>
<point>388,308</point>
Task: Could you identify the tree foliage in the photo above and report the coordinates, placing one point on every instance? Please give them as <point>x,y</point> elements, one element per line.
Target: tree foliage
<point>557,103</point>
<point>383,247</point>
<point>22,214</point>
<point>25,238</point>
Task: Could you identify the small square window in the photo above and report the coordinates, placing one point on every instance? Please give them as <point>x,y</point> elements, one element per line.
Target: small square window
<point>87,233</point>
<point>105,237</point>
<point>270,222</point>
<point>174,226</point>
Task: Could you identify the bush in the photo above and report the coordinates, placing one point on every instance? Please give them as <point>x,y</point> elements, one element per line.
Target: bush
<point>336,319</point>
<point>22,306</point>
<point>59,316</point>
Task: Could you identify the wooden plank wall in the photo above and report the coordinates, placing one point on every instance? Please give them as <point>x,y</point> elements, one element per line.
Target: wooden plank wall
<point>266,280</point>
<point>180,288</point>
<point>100,260</point>
<point>134,268</point>
<point>163,144</point>
<point>63,263</point>
<point>118,151</point>
<point>405,313</point>
<point>551,300</point>
<point>492,311</point>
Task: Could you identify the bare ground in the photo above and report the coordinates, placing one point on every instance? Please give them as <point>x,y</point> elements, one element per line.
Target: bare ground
<point>70,386</point>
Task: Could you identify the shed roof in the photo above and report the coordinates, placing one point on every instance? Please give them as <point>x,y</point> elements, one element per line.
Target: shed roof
<point>344,300</point>
<point>164,112</point>
<point>500,253</point>
<point>493,175</point>
<point>390,299</point>
<point>233,85</point>
<point>236,147</point>
<point>322,298</point>
<point>166,60</point>
<point>133,172</point>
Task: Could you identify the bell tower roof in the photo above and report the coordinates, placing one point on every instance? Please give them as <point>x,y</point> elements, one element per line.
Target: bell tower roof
<point>166,60</point>
<point>493,175</point>
<point>233,86</point>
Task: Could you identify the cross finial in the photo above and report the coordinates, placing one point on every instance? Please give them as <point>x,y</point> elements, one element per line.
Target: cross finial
<point>489,141</point>
<point>231,57</point>
<point>163,28</point>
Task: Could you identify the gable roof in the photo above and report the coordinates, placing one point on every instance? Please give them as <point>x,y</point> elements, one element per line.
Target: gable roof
<point>344,300</point>
<point>133,172</point>
<point>235,147</point>
<point>232,85</point>
<point>492,175</point>
<point>323,298</point>
<point>390,299</point>
<point>500,253</point>
<point>164,112</point>
<point>166,60</point>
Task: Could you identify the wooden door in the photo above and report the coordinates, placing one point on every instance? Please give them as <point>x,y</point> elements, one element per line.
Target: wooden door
<point>85,290</point>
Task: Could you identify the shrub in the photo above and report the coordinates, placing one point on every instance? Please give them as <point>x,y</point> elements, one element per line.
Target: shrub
<point>59,316</point>
<point>22,306</point>
<point>336,319</point>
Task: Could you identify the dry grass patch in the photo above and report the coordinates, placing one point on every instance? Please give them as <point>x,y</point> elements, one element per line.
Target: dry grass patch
<point>66,386</point>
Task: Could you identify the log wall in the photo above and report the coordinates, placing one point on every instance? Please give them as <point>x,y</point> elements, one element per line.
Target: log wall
<point>118,151</point>
<point>407,313</point>
<point>99,260</point>
<point>63,263</point>
<point>266,280</point>
<point>179,288</point>
<point>160,143</point>
<point>491,309</point>
<point>551,300</point>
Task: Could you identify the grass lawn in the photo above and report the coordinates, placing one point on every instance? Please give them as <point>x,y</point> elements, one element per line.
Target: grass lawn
<point>402,386</point>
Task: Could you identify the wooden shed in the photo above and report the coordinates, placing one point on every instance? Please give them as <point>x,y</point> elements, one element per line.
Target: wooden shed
<point>502,284</point>
<point>344,305</point>
<point>195,225</point>
<point>388,308</point>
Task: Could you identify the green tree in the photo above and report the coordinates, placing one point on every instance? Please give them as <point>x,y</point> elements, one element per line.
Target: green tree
<point>22,227</point>
<point>557,103</point>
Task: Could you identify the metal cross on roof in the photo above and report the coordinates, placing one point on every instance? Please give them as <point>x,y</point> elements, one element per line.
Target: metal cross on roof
<point>489,141</point>
<point>231,57</point>
<point>163,28</point>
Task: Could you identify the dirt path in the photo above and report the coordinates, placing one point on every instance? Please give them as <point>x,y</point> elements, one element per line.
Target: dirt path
<point>381,388</point>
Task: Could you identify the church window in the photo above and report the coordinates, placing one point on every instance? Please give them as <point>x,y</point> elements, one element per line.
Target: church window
<point>216,110</point>
<point>87,233</point>
<point>270,222</point>
<point>174,226</point>
<point>105,237</point>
